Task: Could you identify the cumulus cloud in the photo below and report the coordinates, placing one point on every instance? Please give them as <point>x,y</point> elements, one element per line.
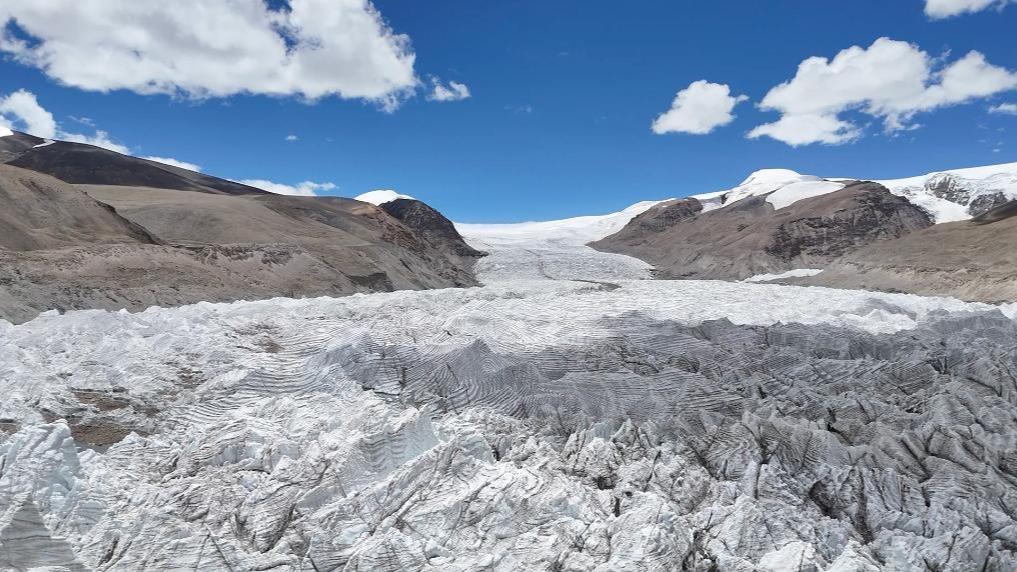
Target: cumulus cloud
<point>937,9</point>
<point>213,48</point>
<point>890,80</point>
<point>292,138</point>
<point>21,110</point>
<point>454,91</point>
<point>1004,108</point>
<point>304,189</point>
<point>699,109</point>
<point>175,163</point>
<point>23,107</point>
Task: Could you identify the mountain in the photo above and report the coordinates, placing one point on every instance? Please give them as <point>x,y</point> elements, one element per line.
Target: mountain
<point>431,225</point>
<point>14,143</point>
<point>971,260</point>
<point>78,163</point>
<point>891,234</point>
<point>131,233</point>
<point>802,224</point>
<point>42,212</point>
<point>959,194</point>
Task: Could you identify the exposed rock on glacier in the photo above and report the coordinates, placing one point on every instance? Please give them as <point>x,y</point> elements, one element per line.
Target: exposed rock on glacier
<point>568,416</point>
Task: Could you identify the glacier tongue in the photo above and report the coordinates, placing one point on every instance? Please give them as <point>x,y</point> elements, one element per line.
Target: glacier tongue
<point>569,415</point>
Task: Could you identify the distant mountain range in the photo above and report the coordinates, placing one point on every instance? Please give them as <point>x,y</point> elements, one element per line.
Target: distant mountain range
<point>946,233</point>
<point>84,227</point>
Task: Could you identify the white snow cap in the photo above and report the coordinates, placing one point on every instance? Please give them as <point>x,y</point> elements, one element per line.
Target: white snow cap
<point>978,181</point>
<point>381,196</point>
<point>5,131</point>
<point>787,186</point>
<point>784,187</point>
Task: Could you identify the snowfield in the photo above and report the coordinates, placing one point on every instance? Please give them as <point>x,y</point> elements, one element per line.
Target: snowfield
<point>381,197</point>
<point>947,196</point>
<point>569,415</point>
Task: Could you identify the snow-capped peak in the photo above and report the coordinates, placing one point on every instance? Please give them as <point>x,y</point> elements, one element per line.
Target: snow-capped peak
<point>958,194</point>
<point>5,131</point>
<point>381,196</point>
<point>787,187</point>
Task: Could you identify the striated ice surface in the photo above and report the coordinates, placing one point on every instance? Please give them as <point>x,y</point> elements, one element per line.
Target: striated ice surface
<point>569,415</point>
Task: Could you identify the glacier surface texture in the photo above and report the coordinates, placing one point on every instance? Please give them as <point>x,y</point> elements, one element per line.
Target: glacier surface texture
<point>570,415</point>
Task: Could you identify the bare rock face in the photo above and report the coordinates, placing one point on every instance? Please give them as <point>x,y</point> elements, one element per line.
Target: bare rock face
<point>17,143</point>
<point>971,260</point>
<point>749,237</point>
<point>949,187</point>
<point>431,225</point>
<point>986,202</point>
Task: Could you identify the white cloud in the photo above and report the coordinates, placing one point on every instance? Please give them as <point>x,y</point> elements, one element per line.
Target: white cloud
<point>937,9</point>
<point>304,189</point>
<point>890,80</point>
<point>214,48</point>
<point>699,109</point>
<point>1004,108</point>
<point>454,91</point>
<point>175,163</point>
<point>22,110</point>
<point>808,128</point>
<point>292,137</point>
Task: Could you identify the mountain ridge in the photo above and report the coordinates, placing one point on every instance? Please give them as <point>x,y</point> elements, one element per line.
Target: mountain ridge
<point>92,228</point>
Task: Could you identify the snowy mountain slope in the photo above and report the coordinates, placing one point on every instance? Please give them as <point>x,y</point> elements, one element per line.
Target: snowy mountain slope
<point>959,194</point>
<point>784,187</point>
<point>380,197</point>
<point>573,231</point>
<point>948,196</point>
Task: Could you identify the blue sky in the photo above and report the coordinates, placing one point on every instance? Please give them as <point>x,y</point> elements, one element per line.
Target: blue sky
<point>563,95</point>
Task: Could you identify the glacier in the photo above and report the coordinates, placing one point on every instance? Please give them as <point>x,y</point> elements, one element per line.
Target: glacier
<point>569,415</point>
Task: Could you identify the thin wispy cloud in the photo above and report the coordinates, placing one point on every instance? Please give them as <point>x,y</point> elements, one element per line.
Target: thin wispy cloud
<point>303,189</point>
<point>939,9</point>
<point>175,163</point>
<point>1004,109</point>
<point>453,91</point>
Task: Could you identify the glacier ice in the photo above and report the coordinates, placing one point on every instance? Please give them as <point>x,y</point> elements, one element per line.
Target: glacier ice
<point>569,415</point>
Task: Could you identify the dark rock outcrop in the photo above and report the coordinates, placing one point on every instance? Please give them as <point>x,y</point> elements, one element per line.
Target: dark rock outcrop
<point>89,165</point>
<point>14,145</point>
<point>431,225</point>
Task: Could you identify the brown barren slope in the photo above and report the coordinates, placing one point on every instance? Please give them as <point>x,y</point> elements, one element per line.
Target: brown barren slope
<point>749,237</point>
<point>972,260</point>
